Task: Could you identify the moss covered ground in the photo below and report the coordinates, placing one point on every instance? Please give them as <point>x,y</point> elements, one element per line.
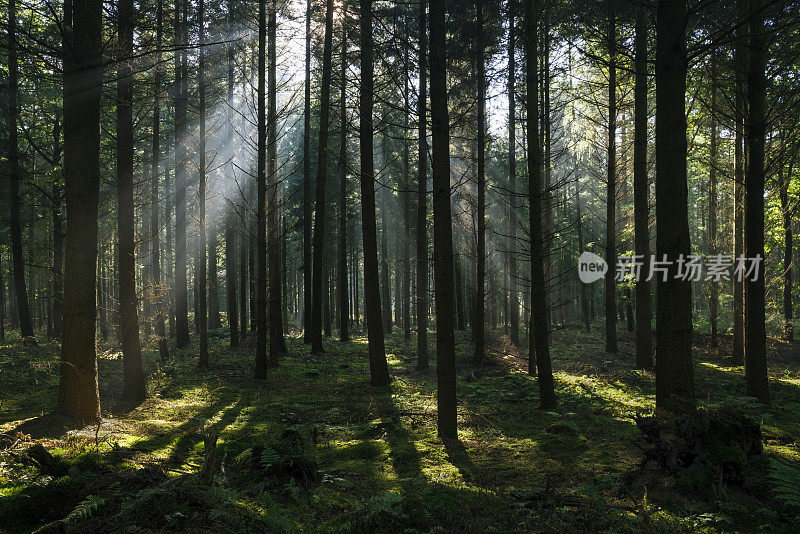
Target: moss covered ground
<point>315,449</point>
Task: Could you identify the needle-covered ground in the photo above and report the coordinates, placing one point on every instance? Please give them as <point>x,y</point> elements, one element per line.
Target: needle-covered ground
<point>314,448</point>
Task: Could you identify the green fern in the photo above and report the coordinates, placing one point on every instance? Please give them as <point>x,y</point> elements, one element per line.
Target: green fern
<point>269,458</point>
<point>84,510</point>
<point>786,482</point>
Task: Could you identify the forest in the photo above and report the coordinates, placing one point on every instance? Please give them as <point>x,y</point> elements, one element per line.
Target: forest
<point>399,266</point>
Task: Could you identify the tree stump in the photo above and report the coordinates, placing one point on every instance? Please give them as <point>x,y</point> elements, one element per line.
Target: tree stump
<point>209,463</point>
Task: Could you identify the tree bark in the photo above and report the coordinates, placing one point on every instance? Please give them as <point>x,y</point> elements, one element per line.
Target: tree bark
<point>755,350</point>
<point>78,392</point>
<point>737,354</point>
<point>322,175</point>
<point>213,276</point>
<point>133,388</point>
<point>181,290</point>
<point>201,294</point>
<point>512,182</point>
<point>788,245</point>
<point>611,190</point>
<point>405,297</point>
<point>244,290</point>
<point>480,271</point>
<point>23,307</point>
<point>386,289</point>
<point>713,304</point>
<point>378,368</point>
<point>252,270</point>
<point>230,219</point>
<point>641,197</point>
<point>546,144</point>
<point>169,256</point>
<point>307,261</point>
<point>58,241</point>
<point>344,308</point>
<point>442,227</point>
<point>155,230</point>
<point>277,344</point>
<point>422,195</point>
<point>261,362</point>
<point>674,370</point>
<point>231,276</point>
<point>579,227</point>
<point>540,343</point>
<point>2,302</point>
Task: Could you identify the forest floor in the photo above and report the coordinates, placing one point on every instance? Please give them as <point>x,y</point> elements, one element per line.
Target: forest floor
<point>315,448</point>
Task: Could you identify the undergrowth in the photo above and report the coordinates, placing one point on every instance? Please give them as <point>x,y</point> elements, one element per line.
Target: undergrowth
<point>315,448</point>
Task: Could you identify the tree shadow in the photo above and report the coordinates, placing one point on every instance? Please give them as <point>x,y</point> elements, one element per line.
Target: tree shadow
<point>48,426</point>
<point>186,436</point>
<point>458,456</point>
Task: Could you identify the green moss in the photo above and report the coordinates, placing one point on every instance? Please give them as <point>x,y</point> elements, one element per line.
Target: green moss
<point>382,466</point>
<point>39,503</point>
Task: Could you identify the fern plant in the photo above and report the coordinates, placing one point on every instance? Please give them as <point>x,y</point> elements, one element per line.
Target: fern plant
<point>269,458</point>
<point>85,509</point>
<point>786,483</point>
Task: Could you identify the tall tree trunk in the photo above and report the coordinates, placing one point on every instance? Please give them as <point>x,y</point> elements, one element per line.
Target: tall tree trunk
<point>155,230</point>
<point>284,279</point>
<point>713,305</point>
<point>674,371</point>
<point>540,342</point>
<point>2,301</point>
<point>169,257</point>
<point>641,200</point>
<point>202,283</point>
<point>261,362</point>
<point>344,308</point>
<point>253,272</point>
<point>755,350</point>
<point>213,275</point>
<point>356,299</point>
<point>322,175</point>
<point>230,219</point>
<point>58,241</point>
<point>133,388</point>
<point>277,344</point>
<point>611,190</point>
<point>307,260</point>
<point>326,298</point>
<point>480,274</point>
<point>405,297</point>
<point>397,264</point>
<point>442,227</point>
<point>546,143</point>
<point>378,367</point>
<point>422,195</point>
<point>78,391</point>
<point>737,354</point>
<point>244,290</point>
<point>579,227</point>
<point>512,181</point>
<point>788,245</point>
<point>231,276</point>
<point>460,305</point>
<point>23,308</point>
<point>386,290</point>
<point>181,289</point>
